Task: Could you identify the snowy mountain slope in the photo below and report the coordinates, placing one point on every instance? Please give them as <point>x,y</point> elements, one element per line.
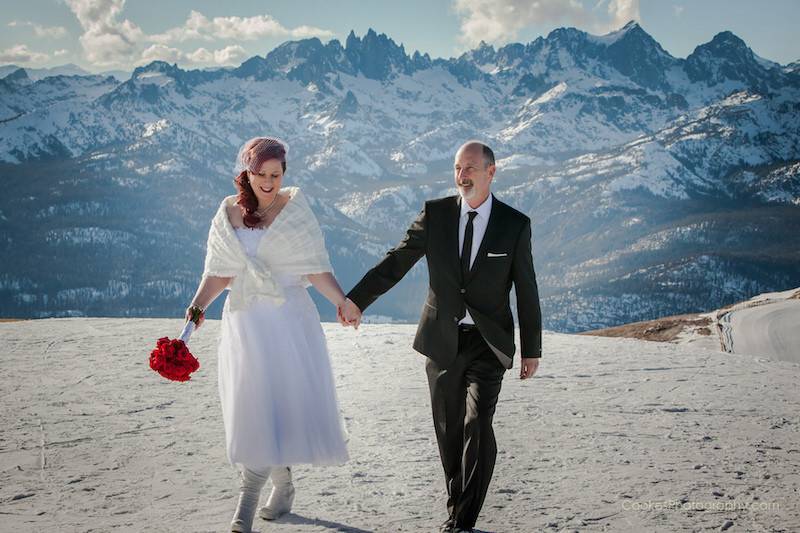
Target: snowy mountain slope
<point>609,143</point>
<point>19,94</point>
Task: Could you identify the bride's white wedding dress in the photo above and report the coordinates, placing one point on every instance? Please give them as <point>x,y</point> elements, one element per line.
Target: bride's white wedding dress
<point>276,385</point>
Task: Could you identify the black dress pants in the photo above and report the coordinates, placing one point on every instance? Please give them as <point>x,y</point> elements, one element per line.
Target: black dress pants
<point>463,399</point>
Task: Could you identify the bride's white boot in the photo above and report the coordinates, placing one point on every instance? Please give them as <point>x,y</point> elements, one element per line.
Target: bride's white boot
<point>282,495</point>
<point>250,490</point>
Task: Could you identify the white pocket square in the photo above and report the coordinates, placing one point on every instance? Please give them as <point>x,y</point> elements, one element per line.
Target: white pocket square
<point>490,254</point>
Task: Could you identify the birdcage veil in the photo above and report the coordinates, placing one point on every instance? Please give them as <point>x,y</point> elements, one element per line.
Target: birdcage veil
<point>259,149</point>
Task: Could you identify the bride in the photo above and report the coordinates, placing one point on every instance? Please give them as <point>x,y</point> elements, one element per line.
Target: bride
<point>275,381</point>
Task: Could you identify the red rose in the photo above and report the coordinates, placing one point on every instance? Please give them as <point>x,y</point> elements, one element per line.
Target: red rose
<point>172,359</point>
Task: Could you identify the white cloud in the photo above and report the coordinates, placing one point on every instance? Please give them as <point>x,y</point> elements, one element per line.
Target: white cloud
<point>194,28</point>
<point>161,52</point>
<point>224,56</point>
<point>304,32</point>
<point>198,26</point>
<point>499,21</point>
<point>200,57</point>
<point>108,40</point>
<point>40,31</point>
<point>678,10</point>
<point>59,53</point>
<point>21,54</point>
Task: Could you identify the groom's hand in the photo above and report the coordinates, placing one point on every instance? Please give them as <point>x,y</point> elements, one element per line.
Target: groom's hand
<point>528,367</point>
<point>350,313</point>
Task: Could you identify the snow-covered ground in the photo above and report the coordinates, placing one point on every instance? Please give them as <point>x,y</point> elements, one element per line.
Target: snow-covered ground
<point>611,435</point>
<point>766,325</point>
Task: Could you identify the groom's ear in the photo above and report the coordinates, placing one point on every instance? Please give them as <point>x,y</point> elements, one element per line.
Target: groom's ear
<point>491,170</point>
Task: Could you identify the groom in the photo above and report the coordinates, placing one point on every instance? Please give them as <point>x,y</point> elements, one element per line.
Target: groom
<point>476,247</point>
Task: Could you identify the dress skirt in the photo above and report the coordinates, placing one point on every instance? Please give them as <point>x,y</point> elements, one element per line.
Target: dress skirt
<point>276,384</point>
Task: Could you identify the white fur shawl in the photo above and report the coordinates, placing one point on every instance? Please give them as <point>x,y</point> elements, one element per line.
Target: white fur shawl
<point>292,244</point>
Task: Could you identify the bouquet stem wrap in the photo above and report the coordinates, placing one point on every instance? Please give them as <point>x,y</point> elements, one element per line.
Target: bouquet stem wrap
<point>187,331</point>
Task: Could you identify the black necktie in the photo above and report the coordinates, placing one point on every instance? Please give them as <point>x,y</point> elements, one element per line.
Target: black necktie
<point>466,248</point>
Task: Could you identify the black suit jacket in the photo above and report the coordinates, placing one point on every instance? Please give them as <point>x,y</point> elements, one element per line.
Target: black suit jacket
<point>504,257</point>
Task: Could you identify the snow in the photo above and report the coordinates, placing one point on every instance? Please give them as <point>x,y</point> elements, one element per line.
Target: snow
<point>344,155</point>
<point>611,434</point>
<point>595,141</point>
<point>154,78</point>
<point>611,37</point>
<point>89,235</point>
<point>383,207</point>
<point>552,94</point>
<point>652,169</point>
<point>521,160</point>
<point>767,330</point>
<point>151,128</point>
<point>91,208</point>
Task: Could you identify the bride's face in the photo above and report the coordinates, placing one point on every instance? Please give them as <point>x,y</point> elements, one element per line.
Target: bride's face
<point>267,182</point>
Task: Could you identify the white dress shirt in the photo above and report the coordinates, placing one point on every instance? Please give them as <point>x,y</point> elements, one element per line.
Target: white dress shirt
<point>479,224</point>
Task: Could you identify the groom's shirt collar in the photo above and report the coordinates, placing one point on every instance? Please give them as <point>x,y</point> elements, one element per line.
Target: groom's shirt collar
<point>483,210</point>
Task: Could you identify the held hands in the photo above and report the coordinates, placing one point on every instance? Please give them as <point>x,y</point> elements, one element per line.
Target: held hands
<point>528,367</point>
<point>348,314</point>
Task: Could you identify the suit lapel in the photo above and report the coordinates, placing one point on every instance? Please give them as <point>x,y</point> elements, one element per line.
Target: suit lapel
<point>451,233</point>
<point>492,233</point>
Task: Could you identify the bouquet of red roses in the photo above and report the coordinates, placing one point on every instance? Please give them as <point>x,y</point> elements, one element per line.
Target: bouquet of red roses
<point>171,357</point>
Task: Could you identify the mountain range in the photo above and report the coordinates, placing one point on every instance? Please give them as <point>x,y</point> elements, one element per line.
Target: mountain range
<point>657,185</point>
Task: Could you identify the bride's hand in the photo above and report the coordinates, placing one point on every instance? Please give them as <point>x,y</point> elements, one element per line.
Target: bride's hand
<point>340,317</point>
<point>189,317</point>
<point>350,314</point>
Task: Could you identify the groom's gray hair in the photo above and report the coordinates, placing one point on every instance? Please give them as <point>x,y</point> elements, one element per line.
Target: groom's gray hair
<point>488,154</point>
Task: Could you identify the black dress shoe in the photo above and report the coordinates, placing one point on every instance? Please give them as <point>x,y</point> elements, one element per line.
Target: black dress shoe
<point>448,526</point>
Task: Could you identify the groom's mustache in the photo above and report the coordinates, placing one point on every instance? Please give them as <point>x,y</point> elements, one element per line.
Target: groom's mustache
<point>464,183</point>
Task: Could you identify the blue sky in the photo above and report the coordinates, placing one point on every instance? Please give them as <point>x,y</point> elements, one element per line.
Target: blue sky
<point>117,34</point>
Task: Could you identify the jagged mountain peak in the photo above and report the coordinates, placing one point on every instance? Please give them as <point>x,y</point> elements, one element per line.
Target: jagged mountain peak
<point>637,55</point>
<point>727,38</point>
<point>631,36</point>
<point>348,106</point>
<point>630,50</point>
<point>724,46</point>
<point>376,55</point>
<point>289,54</point>
<point>372,40</point>
<point>18,76</point>
<point>157,67</point>
<point>304,59</point>
<point>632,32</point>
<point>147,84</point>
<point>309,61</point>
<point>565,33</point>
<point>631,25</point>
<point>627,161</point>
<point>482,55</point>
<point>300,48</point>
<point>727,57</point>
